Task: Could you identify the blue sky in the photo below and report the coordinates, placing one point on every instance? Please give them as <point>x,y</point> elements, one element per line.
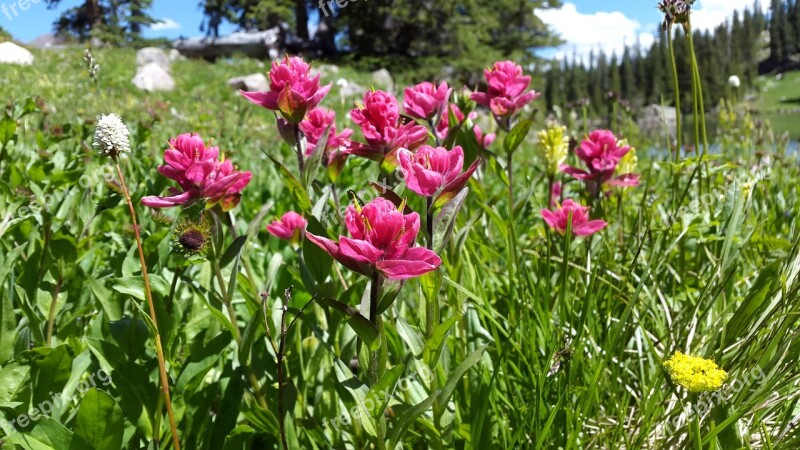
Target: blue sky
<point>584,24</point>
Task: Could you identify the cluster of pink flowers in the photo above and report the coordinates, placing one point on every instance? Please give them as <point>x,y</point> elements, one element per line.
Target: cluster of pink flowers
<point>601,153</point>
<point>200,175</point>
<point>506,92</point>
<point>337,146</point>
<point>292,90</point>
<point>382,236</point>
<point>289,227</point>
<point>384,131</point>
<point>383,240</point>
<point>559,219</point>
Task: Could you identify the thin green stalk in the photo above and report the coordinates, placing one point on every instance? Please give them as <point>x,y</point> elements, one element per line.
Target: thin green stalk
<point>281,348</point>
<point>700,120</point>
<point>162,367</point>
<point>51,316</point>
<point>677,89</point>
<point>237,334</point>
<point>375,368</point>
<point>678,120</point>
<point>299,149</point>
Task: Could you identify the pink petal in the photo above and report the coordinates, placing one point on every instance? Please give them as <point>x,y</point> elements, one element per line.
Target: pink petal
<point>415,262</point>
<point>166,202</point>
<point>359,250</point>
<point>590,227</point>
<point>268,100</point>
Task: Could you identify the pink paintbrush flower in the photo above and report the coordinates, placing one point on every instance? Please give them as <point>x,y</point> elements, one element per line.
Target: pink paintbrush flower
<point>383,128</point>
<point>336,148</point>
<point>289,227</point>
<point>426,101</point>
<point>443,127</point>
<point>505,94</point>
<point>581,225</point>
<point>431,171</point>
<point>292,89</point>
<point>200,175</point>
<point>382,239</point>
<point>601,153</point>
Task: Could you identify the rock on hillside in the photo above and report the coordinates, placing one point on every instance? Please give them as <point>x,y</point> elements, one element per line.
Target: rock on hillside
<point>11,53</point>
<point>152,77</point>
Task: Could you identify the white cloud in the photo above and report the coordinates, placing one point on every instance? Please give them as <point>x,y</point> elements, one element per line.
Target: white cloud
<point>710,13</point>
<point>609,31</point>
<point>165,24</point>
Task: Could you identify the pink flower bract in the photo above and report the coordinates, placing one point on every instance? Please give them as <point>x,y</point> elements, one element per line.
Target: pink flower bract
<point>382,239</point>
<point>426,101</point>
<point>581,225</point>
<point>289,227</point>
<point>200,175</point>
<point>601,153</point>
<point>432,170</point>
<point>292,89</point>
<point>383,129</point>
<point>505,94</point>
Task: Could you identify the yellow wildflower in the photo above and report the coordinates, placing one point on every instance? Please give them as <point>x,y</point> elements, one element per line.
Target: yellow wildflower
<point>695,374</point>
<point>554,145</point>
<point>628,162</point>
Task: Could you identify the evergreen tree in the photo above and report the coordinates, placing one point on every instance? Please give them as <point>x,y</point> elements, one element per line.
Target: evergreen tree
<point>116,21</point>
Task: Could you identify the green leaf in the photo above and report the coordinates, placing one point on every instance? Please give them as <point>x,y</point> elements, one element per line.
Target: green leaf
<point>317,261</point>
<point>360,324</point>
<point>444,222</point>
<point>517,135</point>
<point>434,345</point>
<point>459,372</point>
<point>13,381</point>
<point>407,418</point>
<point>380,394</point>
<point>8,329</point>
<point>134,286</point>
<point>233,251</point>
<point>49,434</point>
<point>99,421</point>
<point>8,129</point>
<point>295,188</point>
<point>314,162</point>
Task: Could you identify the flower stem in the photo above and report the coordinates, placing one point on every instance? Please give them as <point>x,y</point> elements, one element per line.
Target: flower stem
<point>299,149</point>
<point>237,335</point>
<point>162,369</point>
<point>281,348</point>
<point>677,89</point>
<point>375,356</point>
<point>51,317</point>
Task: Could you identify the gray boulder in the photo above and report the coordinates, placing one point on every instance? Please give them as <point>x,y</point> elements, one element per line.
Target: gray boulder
<point>152,77</point>
<point>155,55</point>
<point>654,118</point>
<point>252,82</point>
<point>382,79</point>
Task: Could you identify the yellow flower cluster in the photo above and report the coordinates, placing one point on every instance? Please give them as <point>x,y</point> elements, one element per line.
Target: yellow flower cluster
<point>628,162</point>
<point>554,145</point>
<point>694,373</point>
